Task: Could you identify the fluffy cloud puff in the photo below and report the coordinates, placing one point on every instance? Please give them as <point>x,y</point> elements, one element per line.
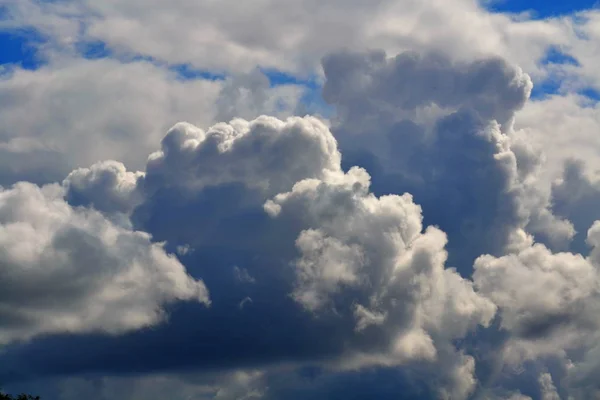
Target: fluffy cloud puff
<point>71,270</point>
<point>411,80</point>
<point>548,305</point>
<point>442,131</point>
<point>355,240</point>
<point>106,186</point>
<point>267,153</point>
<point>369,257</point>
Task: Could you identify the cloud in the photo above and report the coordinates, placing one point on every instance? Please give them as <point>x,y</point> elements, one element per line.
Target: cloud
<point>250,94</point>
<point>582,45</point>
<point>374,251</point>
<point>314,264</point>
<point>69,270</point>
<point>106,186</point>
<point>271,156</point>
<point>91,110</point>
<point>311,261</point>
<point>490,87</point>
<point>548,304</point>
<point>291,150</point>
<point>293,36</point>
<point>575,196</point>
<point>564,127</point>
<point>236,385</point>
<point>339,274</point>
<point>442,131</point>
<point>75,112</point>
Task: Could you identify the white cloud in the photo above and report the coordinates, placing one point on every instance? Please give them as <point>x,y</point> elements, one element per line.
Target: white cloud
<point>76,112</point>
<point>548,303</point>
<point>106,186</point>
<point>69,270</point>
<point>87,111</point>
<point>564,127</point>
<point>369,257</point>
<point>289,151</point>
<point>292,35</point>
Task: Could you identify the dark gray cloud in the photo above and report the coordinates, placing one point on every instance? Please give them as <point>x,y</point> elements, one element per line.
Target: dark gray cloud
<point>440,130</point>
<point>360,84</point>
<point>340,276</point>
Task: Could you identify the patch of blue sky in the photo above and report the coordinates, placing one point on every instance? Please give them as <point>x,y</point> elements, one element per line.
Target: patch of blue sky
<point>189,72</point>
<point>97,50</point>
<point>545,88</point>
<point>591,93</point>
<point>93,50</point>
<point>278,78</point>
<point>554,55</point>
<point>19,48</point>
<point>554,84</point>
<point>311,101</point>
<point>540,9</point>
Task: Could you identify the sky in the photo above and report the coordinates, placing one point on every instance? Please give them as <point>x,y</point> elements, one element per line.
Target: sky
<point>542,9</point>
<point>285,199</point>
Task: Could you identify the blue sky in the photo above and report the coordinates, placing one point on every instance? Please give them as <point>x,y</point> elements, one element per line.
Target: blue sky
<point>542,8</point>
<point>18,48</point>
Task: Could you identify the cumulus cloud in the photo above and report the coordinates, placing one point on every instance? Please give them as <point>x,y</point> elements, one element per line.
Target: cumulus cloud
<point>354,239</point>
<point>71,270</point>
<point>311,261</point>
<point>442,131</point>
<point>411,80</point>
<point>324,206</point>
<point>106,186</point>
<point>374,251</point>
<point>347,275</point>
<point>289,151</point>
<point>548,305</point>
<point>336,219</point>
